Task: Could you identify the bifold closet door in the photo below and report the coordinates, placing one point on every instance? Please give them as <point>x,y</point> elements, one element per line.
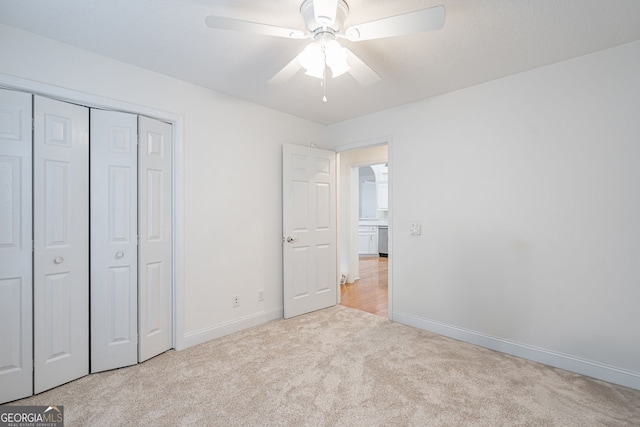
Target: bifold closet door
<point>155,274</point>
<point>16,367</point>
<point>114,232</point>
<point>61,242</point>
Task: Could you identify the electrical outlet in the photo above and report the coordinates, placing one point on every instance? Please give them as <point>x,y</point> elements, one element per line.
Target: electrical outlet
<point>235,302</point>
<point>261,295</point>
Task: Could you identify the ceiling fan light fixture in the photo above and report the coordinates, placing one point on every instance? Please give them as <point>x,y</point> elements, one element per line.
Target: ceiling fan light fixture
<point>337,71</point>
<point>312,60</point>
<point>324,11</point>
<point>336,58</point>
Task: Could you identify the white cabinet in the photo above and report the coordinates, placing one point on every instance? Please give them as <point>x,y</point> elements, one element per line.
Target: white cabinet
<point>368,240</point>
<point>363,243</point>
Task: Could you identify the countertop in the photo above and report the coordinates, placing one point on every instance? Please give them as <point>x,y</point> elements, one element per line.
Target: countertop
<point>376,222</point>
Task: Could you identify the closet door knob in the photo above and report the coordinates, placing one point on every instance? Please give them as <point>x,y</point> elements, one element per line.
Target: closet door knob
<point>58,260</point>
<point>119,254</point>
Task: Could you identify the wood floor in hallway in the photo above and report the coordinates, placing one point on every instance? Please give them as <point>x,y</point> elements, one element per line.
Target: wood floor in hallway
<point>370,292</point>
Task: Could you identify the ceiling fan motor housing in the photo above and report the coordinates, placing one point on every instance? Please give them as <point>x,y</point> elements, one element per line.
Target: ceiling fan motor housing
<point>306,10</point>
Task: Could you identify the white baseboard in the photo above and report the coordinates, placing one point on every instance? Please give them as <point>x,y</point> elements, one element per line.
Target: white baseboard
<point>207,334</point>
<point>563,361</point>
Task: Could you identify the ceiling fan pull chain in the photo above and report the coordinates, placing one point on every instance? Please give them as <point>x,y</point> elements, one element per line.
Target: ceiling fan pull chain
<point>324,89</point>
<point>323,83</point>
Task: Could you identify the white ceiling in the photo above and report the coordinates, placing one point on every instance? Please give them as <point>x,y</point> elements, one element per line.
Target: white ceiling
<point>480,41</point>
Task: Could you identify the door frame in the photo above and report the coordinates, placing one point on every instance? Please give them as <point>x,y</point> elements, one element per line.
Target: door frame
<point>177,173</point>
<point>370,143</point>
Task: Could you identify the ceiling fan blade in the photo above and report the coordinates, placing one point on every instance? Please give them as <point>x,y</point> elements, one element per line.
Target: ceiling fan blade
<point>413,22</point>
<point>287,72</point>
<point>361,71</point>
<point>224,23</point>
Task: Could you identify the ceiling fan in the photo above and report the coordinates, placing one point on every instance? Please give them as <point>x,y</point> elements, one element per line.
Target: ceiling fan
<point>324,20</point>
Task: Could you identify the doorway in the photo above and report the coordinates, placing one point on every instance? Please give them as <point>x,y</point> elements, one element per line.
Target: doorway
<point>364,226</point>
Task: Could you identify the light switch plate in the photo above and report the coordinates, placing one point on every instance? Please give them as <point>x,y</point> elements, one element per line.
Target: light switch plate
<point>415,228</point>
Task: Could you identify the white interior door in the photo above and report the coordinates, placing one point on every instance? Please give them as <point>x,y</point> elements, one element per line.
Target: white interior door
<point>61,242</point>
<point>114,233</point>
<point>155,276</point>
<point>15,246</point>
<point>309,227</point>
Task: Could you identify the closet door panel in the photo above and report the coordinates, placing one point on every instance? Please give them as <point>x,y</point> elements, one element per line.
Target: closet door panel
<point>61,242</point>
<point>155,250</point>
<point>114,286</point>
<point>16,368</point>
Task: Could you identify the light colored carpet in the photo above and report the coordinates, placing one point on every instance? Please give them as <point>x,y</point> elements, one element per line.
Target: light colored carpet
<point>340,367</point>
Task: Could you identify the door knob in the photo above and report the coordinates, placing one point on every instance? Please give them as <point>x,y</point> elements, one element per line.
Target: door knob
<point>119,254</point>
<point>58,260</point>
<point>292,239</point>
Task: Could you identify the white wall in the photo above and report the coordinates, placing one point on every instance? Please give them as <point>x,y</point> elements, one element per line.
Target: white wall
<point>528,192</point>
<point>232,177</point>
